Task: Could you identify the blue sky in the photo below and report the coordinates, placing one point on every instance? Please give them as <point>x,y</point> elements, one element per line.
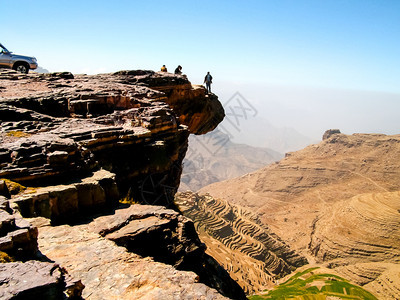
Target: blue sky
<point>339,44</point>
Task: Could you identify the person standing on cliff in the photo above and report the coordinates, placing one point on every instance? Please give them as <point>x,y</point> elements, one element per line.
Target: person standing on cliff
<point>208,81</point>
<point>164,69</point>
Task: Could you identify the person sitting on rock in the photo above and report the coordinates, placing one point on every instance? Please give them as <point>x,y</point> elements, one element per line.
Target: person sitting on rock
<point>208,81</point>
<point>164,69</point>
<point>178,70</point>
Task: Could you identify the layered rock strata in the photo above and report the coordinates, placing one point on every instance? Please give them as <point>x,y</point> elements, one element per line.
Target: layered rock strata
<point>61,203</point>
<point>237,238</point>
<point>60,127</point>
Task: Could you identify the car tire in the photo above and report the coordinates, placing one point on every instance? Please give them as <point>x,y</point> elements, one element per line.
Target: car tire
<point>21,67</point>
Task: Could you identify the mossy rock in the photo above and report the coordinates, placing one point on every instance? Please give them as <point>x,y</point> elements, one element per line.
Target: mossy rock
<point>5,258</point>
<point>13,187</point>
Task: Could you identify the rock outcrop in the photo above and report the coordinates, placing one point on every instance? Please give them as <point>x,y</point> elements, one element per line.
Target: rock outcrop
<point>138,252</point>
<point>62,203</point>
<point>18,238</point>
<point>57,128</point>
<point>22,275</point>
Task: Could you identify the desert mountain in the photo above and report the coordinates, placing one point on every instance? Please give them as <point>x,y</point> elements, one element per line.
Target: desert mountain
<point>214,157</point>
<point>336,202</point>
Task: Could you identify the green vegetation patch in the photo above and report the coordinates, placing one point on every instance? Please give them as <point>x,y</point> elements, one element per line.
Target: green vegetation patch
<point>309,286</point>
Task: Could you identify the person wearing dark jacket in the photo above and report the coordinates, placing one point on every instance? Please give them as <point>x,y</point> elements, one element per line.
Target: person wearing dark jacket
<point>208,81</point>
<point>178,70</point>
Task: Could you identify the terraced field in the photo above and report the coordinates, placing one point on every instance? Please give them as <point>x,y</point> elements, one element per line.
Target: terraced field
<point>363,228</point>
<point>312,284</point>
<point>252,254</point>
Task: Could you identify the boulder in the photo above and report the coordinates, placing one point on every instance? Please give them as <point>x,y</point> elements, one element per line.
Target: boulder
<point>37,280</point>
<point>18,238</point>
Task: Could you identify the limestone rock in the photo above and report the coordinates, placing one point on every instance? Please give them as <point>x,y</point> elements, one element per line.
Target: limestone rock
<point>4,192</point>
<point>80,143</point>
<point>67,202</point>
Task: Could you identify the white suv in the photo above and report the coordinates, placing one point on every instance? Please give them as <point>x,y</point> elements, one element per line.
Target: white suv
<point>17,62</point>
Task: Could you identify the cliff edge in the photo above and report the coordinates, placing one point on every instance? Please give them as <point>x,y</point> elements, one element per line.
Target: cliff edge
<point>74,146</point>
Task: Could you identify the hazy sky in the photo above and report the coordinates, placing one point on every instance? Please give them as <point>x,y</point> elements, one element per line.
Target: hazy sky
<point>346,45</point>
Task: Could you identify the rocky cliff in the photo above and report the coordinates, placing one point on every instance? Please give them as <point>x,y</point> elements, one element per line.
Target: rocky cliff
<point>59,127</point>
<point>74,146</point>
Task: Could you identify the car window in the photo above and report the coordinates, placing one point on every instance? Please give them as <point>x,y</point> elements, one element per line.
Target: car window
<point>3,50</point>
